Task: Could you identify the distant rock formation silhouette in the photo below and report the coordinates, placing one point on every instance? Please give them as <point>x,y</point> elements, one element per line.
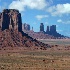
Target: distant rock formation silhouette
<point>50,32</point>
<point>26,27</point>
<point>41,27</point>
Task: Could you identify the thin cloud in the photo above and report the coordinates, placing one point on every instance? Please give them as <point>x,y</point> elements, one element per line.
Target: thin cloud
<point>59,30</point>
<point>46,23</point>
<point>39,17</point>
<point>59,20</point>
<point>64,22</point>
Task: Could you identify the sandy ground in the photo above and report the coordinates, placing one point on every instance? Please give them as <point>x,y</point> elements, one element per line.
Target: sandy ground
<point>21,58</point>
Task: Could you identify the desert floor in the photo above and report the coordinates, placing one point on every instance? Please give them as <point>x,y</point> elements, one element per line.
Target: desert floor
<point>56,41</point>
<point>24,59</point>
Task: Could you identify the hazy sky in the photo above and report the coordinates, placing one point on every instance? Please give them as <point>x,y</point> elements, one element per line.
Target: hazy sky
<point>49,12</point>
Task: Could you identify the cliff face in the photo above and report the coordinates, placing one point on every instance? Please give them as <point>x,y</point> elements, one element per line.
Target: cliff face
<point>10,19</point>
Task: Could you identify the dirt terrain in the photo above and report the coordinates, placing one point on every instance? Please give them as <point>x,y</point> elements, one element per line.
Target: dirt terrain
<point>63,42</point>
<point>56,57</point>
<point>20,58</point>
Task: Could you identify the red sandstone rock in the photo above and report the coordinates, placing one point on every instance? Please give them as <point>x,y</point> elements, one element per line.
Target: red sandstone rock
<point>11,34</point>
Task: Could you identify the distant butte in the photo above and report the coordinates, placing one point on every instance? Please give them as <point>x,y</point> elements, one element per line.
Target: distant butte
<point>50,33</point>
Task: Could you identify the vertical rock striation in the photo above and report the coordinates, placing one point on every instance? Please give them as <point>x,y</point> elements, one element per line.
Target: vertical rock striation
<point>10,19</point>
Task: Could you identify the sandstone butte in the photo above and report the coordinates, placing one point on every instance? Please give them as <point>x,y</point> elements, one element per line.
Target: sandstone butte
<point>11,34</point>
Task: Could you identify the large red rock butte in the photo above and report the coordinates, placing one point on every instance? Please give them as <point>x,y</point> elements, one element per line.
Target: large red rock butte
<point>11,34</point>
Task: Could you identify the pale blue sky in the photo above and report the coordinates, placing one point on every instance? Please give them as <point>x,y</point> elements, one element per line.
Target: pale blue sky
<point>49,12</point>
